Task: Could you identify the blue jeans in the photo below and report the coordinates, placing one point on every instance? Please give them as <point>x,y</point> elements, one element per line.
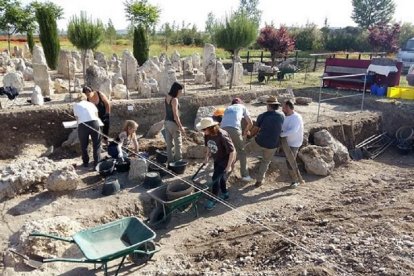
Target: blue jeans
<point>219,179</point>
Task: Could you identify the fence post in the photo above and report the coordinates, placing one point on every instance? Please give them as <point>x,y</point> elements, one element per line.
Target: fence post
<point>261,57</point>
<point>248,56</point>
<point>316,61</point>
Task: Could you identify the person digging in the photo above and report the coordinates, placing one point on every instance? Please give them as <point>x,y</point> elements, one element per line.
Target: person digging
<point>221,148</point>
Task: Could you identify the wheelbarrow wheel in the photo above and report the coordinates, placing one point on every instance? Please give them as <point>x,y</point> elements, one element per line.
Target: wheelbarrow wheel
<point>157,219</point>
<point>142,258</point>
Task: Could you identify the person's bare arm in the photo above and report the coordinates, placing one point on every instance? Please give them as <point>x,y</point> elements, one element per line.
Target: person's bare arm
<point>174,104</point>
<point>135,144</point>
<point>106,103</point>
<point>207,156</point>
<point>232,158</point>
<point>249,124</point>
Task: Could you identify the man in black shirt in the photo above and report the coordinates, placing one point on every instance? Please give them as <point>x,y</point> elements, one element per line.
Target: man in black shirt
<point>267,139</point>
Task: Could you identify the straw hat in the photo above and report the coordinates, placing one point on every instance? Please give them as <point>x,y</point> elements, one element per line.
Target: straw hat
<point>206,123</point>
<point>272,100</point>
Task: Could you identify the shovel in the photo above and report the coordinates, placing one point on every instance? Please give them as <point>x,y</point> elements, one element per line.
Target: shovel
<point>28,261</point>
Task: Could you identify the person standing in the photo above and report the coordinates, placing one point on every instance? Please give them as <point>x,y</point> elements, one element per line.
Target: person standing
<point>292,131</point>
<point>232,124</point>
<point>86,115</point>
<point>172,123</point>
<point>267,138</point>
<point>104,108</point>
<point>221,148</point>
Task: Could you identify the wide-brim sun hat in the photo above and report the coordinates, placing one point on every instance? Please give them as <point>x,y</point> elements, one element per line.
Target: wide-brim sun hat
<point>272,100</point>
<point>206,123</point>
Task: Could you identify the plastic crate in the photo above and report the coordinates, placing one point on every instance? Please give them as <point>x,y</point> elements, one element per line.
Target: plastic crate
<point>407,93</point>
<point>394,92</point>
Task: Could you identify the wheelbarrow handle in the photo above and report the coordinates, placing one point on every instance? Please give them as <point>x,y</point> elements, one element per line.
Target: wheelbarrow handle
<point>66,260</point>
<point>147,252</point>
<point>199,169</point>
<point>37,234</point>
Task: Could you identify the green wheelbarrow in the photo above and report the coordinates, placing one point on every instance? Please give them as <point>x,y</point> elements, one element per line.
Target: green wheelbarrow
<point>99,245</point>
<point>161,215</point>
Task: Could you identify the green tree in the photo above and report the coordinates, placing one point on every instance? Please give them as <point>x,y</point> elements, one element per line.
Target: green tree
<point>140,46</point>
<point>235,33</point>
<point>167,33</point>
<point>250,8</point>
<point>110,32</point>
<point>210,24</point>
<point>29,25</point>
<point>141,12</point>
<point>12,16</point>
<point>86,34</point>
<point>369,13</point>
<point>306,38</point>
<point>406,32</point>
<point>48,32</point>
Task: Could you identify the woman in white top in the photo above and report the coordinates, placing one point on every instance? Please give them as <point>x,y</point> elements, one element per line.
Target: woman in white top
<point>86,115</point>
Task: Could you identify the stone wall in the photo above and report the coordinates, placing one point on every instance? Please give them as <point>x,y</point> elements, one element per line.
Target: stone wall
<point>44,124</point>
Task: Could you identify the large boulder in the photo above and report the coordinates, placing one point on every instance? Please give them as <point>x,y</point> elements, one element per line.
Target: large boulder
<point>151,69</point>
<point>66,64</point>
<point>100,57</point>
<point>97,78</point>
<point>238,74</point>
<point>120,91</point>
<point>38,55</point>
<point>154,130</point>
<point>203,111</point>
<point>60,86</point>
<point>14,79</point>
<point>318,160</point>
<point>36,97</point>
<point>28,74</point>
<point>324,139</point>
<point>63,180</point>
<point>196,152</point>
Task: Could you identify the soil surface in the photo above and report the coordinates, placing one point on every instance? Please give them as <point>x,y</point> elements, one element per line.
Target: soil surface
<point>357,221</point>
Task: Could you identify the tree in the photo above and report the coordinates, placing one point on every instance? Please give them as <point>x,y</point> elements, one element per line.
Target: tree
<point>277,41</point>
<point>140,47</point>
<point>235,33</point>
<point>141,12</point>
<point>306,38</point>
<point>48,33</point>
<point>406,32</point>
<point>368,13</point>
<point>12,16</point>
<point>29,25</point>
<point>167,32</point>
<point>249,7</point>
<point>86,34</point>
<point>384,37</point>
<point>110,32</point>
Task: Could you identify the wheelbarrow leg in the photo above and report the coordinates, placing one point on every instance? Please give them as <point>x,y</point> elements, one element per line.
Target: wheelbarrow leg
<point>119,266</point>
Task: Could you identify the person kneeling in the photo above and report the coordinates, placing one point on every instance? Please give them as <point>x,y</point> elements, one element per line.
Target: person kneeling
<point>126,142</point>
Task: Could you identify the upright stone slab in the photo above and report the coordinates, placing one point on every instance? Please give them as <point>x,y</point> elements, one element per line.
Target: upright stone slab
<point>151,69</point>
<point>168,77</point>
<point>196,60</point>
<point>219,76</point>
<point>238,74</point>
<point>188,66</point>
<point>42,79</point>
<point>129,70</point>
<point>176,61</point>
<point>66,64</point>
<point>138,169</point>
<point>38,55</point>
<point>77,59</point>
<point>36,97</point>
<point>100,57</point>
<point>208,50</point>
<point>97,78</point>
<point>211,67</point>
<point>26,52</point>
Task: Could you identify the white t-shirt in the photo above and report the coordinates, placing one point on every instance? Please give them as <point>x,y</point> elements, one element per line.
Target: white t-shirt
<point>292,129</point>
<point>85,111</point>
<point>233,115</point>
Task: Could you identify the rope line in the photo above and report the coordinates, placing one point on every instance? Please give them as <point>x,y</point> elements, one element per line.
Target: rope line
<point>228,205</point>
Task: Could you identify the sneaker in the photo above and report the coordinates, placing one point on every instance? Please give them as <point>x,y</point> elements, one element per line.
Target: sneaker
<point>224,196</point>
<point>294,185</point>
<point>210,205</point>
<point>247,178</point>
<point>258,183</point>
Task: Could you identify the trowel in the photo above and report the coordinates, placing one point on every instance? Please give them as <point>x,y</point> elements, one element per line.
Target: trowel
<point>29,261</point>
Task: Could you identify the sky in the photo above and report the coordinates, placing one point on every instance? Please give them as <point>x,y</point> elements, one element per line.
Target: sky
<point>293,12</point>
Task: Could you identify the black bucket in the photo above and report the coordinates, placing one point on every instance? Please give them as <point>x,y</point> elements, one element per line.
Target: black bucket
<point>122,164</point>
<point>152,180</point>
<point>161,156</point>
<point>106,167</point>
<point>154,168</point>
<point>111,186</point>
<point>178,167</point>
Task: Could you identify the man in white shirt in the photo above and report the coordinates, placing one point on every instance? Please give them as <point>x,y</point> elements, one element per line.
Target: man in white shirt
<point>292,129</point>
<point>231,123</point>
<point>86,115</point>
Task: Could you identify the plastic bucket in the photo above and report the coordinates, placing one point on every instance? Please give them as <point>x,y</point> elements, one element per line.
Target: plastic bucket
<point>374,89</point>
<point>381,91</point>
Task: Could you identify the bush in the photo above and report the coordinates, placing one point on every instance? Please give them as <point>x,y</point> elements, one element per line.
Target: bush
<point>346,39</point>
<point>141,46</point>
<point>122,42</point>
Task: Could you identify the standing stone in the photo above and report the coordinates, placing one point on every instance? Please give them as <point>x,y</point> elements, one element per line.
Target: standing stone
<point>77,59</point>
<point>100,57</point>
<point>151,69</point>
<point>196,60</point>
<point>66,64</point>
<point>211,67</point>
<point>28,74</point>
<point>120,91</point>
<point>209,49</point>
<point>129,70</point>
<point>89,60</point>
<point>60,86</point>
<point>36,97</point>
<point>188,66</point>
<point>18,52</point>
<point>42,79</point>
<point>176,61</point>
<point>14,79</point>
<point>97,78</point>
<point>200,78</point>
<point>138,169</point>
<point>238,74</point>
<point>219,76</point>
<point>168,77</point>
<point>202,112</point>
<point>26,52</point>
<point>20,65</point>
<point>38,55</point>
<point>154,85</point>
